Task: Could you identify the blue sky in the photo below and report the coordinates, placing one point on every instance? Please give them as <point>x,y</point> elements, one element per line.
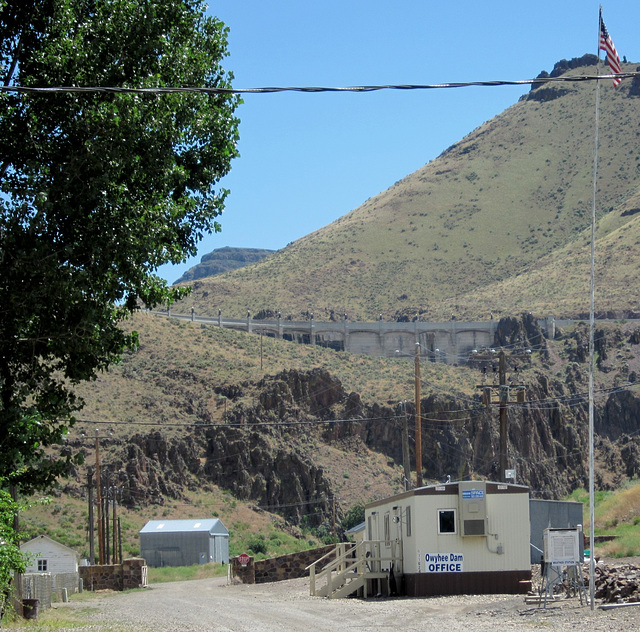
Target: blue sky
<point>307,159</point>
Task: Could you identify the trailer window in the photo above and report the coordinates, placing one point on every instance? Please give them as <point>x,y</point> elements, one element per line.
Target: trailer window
<point>407,515</point>
<point>446,520</point>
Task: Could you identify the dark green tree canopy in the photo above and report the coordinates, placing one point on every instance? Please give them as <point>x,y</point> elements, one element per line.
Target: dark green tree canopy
<point>12,560</point>
<point>96,191</point>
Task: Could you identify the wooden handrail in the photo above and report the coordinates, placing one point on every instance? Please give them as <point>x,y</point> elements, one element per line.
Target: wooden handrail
<point>353,560</point>
<point>329,553</point>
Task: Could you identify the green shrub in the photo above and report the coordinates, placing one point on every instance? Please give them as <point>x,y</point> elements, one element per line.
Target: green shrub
<point>257,544</point>
<point>353,517</point>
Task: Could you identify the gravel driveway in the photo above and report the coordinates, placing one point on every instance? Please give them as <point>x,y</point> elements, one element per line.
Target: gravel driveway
<point>286,606</point>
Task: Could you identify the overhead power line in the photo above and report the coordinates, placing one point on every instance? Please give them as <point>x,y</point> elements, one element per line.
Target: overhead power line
<point>235,424</point>
<point>272,89</point>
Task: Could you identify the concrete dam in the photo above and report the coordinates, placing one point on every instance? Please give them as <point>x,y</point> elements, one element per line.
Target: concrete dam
<point>450,342</point>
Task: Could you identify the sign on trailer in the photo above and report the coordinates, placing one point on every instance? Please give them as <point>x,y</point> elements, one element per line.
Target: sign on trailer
<point>444,563</point>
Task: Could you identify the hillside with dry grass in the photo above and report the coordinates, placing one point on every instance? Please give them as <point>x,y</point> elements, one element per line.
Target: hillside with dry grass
<point>199,422</point>
<point>498,223</point>
<point>267,434</point>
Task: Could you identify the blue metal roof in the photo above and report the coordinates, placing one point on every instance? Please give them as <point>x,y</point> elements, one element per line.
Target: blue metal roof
<point>210,525</point>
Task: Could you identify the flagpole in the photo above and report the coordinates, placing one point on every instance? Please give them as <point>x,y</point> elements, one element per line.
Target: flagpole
<point>592,293</point>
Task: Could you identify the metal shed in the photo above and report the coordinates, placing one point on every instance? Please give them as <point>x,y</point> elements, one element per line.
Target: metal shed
<point>554,514</point>
<point>184,542</point>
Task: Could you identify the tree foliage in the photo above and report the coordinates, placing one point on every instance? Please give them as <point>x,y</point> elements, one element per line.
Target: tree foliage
<point>12,560</point>
<point>96,191</point>
<point>353,517</point>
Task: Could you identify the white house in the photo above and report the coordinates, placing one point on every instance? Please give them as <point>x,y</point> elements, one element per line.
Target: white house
<point>49,556</point>
<point>466,537</point>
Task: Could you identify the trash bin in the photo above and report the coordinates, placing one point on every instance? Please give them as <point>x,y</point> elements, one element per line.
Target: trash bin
<point>30,608</point>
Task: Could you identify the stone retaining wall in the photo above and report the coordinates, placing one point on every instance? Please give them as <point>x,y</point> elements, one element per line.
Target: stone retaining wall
<point>279,568</point>
<point>131,573</point>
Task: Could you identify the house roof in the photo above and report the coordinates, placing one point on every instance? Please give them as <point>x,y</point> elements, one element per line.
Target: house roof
<point>356,529</point>
<point>32,544</point>
<point>210,525</point>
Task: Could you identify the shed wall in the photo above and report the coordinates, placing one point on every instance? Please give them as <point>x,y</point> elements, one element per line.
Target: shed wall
<point>555,514</point>
<point>220,549</point>
<point>183,549</point>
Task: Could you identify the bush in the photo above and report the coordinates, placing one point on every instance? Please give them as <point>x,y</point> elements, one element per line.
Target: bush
<point>257,545</point>
<point>353,517</point>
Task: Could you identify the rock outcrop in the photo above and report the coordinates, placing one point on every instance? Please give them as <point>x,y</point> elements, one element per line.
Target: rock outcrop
<point>266,452</point>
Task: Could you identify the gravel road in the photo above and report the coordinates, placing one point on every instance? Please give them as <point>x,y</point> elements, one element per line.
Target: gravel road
<point>287,607</point>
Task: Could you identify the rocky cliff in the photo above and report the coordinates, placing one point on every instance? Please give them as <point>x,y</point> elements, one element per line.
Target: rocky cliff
<point>281,452</point>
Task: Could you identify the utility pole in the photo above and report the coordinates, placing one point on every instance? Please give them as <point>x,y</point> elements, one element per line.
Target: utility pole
<point>503,402</point>
<point>406,459</point>
<point>119,541</point>
<point>418,419</point>
<point>92,546</point>
<point>115,530</point>
<point>99,503</point>
<point>502,414</point>
<point>335,536</point>
<point>107,538</point>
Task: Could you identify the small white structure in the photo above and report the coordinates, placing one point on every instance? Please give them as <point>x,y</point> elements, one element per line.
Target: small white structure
<point>467,537</point>
<point>49,556</point>
<point>184,542</point>
<point>52,570</point>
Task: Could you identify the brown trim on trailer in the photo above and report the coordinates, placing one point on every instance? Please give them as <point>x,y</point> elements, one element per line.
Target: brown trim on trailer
<point>475,583</point>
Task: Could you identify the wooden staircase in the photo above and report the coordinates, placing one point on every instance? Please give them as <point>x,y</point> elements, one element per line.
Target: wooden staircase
<point>354,568</point>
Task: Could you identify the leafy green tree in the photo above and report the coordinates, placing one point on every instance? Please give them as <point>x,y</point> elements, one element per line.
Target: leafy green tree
<point>97,189</point>
<point>12,559</point>
<point>353,517</point>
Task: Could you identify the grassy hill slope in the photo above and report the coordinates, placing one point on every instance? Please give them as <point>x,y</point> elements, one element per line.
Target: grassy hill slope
<point>492,225</point>
<point>185,376</point>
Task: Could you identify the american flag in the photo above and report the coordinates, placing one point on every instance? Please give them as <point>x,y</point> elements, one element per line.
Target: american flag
<point>606,44</point>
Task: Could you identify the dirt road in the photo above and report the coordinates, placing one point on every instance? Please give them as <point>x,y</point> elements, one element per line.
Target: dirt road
<point>287,606</point>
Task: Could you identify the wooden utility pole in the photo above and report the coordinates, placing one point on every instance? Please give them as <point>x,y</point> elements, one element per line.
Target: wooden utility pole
<point>335,536</point>
<point>504,430</point>
<point>503,402</point>
<point>92,546</point>
<point>99,503</point>
<point>418,419</point>
<point>119,541</point>
<point>114,559</point>
<point>107,537</point>
<point>406,459</point>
